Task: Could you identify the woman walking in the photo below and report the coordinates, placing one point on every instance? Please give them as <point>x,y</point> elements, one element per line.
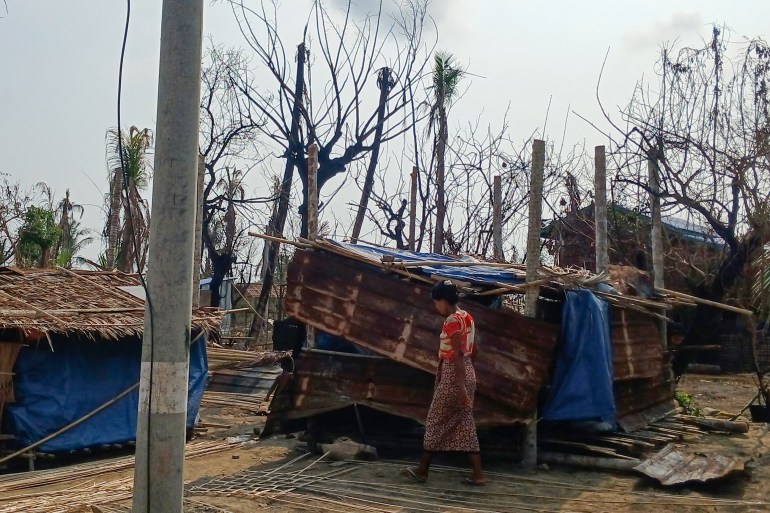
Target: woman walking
<point>449,426</point>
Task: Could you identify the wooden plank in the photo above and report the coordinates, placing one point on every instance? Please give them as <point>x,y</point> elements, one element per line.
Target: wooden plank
<point>585,447</point>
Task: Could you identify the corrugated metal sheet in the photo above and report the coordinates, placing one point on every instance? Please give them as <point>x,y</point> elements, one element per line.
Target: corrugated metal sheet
<point>672,467</point>
<point>254,381</point>
<point>327,381</point>
<point>643,381</point>
<point>394,318</point>
<point>636,345</point>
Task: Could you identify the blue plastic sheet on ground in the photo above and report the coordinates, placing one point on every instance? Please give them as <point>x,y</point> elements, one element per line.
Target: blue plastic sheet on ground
<point>582,384</point>
<point>479,274</point>
<point>53,389</point>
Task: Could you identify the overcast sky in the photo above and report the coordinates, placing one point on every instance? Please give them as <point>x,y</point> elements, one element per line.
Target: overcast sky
<point>59,67</point>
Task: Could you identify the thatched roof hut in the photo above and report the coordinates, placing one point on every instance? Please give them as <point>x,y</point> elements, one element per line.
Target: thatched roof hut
<point>95,305</point>
<point>72,340</point>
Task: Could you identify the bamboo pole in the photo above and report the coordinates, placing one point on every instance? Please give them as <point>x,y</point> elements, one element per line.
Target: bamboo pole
<point>39,311</point>
<point>702,301</point>
<point>102,286</point>
<point>450,263</point>
<point>594,462</point>
<point>515,289</point>
<point>280,240</point>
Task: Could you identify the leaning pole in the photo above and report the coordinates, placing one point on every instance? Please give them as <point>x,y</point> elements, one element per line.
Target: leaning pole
<point>158,477</point>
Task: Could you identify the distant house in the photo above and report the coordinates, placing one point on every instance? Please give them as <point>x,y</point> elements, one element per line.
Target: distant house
<point>70,341</point>
<point>225,301</point>
<point>689,249</point>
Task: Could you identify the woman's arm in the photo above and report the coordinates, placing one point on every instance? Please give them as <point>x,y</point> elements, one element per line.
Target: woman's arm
<point>457,349</point>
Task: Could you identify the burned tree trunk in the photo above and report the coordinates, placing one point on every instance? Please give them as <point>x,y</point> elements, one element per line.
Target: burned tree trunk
<point>385,83</point>
<point>277,222</point>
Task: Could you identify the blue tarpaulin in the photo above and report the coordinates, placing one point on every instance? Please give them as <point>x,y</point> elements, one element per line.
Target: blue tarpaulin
<point>477,274</point>
<point>582,384</point>
<point>53,389</point>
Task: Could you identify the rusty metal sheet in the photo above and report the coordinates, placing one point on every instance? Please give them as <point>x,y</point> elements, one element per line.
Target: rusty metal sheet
<point>643,384</point>
<point>327,381</point>
<point>636,345</point>
<point>393,317</point>
<point>671,466</point>
<point>638,395</point>
<point>635,421</point>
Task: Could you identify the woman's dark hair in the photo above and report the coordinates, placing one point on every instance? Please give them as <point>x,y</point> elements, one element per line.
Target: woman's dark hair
<point>287,363</point>
<point>445,290</point>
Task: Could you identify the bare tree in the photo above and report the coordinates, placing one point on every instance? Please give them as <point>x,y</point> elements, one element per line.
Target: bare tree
<point>229,134</point>
<point>335,114</point>
<point>326,101</point>
<point>705,123</point>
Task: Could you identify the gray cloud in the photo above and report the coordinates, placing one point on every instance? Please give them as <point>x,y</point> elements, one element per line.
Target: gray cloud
<point>679,25</point>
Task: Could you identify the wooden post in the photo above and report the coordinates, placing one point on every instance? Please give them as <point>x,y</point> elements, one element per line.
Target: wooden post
<point>600,210</point>
<point>312,192</point>
<point>413,211</point>
<point>312,211</point>
<point>657,225</point>
<point>497,219</point>
<point>529,446</point>
<point>197,257</point>
<point>658,266</point>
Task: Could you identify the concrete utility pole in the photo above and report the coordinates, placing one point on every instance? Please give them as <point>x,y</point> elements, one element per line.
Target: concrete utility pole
<point>658,264</point>
<point>312,192</point>
<point>600,210</point>
<point>413,211</point>
<point>497,219</point>
<point>657,224</point>
<point>312,211</point>
<point>158,478</point>
<point>198,254</point>
<point>529,449</point>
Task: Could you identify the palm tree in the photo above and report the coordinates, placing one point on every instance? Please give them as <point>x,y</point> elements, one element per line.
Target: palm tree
<point>128,157</point>
<point>73,241</point>
<point>446,77</point>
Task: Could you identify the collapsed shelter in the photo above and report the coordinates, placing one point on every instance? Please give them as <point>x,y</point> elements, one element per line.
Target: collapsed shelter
<point>582,359</point>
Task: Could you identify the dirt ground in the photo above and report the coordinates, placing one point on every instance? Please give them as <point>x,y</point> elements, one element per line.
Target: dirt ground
<point>276,475</point>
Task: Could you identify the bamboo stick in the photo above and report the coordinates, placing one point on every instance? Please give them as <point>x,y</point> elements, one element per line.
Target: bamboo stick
<point>33,307</point>
<point>706,302</point>
<point>518,289</point>
<point>280,240</point>
<point>635,300</point>
<point>321,244</point>
<point>98,284</point>
<point>72,424</point>
<point>450,263</point>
